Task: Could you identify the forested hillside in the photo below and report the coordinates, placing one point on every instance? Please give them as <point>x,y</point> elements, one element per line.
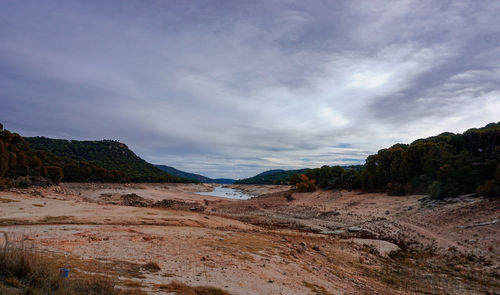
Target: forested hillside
<point>108,154</point>
<point>446,165</point>
<point>22,165</point>
<point>187,175</point>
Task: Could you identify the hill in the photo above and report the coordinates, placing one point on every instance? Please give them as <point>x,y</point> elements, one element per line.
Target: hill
<point>224,180</point>
<point>109,154</point>
<point>194,176</point>
<point>21,165</point>
<point>277,176</point>
<point>270,172</point>
<point>187,175</point>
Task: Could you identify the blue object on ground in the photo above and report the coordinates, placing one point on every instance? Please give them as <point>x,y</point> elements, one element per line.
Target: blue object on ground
<point>64,272</point>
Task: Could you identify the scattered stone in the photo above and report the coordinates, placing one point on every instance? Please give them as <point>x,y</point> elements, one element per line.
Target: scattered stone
<point>480,224</point>
<point>354,229</point>
<point>329,214</point>
<point>133,200</point>
<point>179,205</point>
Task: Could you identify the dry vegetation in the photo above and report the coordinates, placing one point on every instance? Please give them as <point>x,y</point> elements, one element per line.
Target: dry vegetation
<point>24,270</point>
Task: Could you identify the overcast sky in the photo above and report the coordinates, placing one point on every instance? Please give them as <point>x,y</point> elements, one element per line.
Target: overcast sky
<point>233,88</point>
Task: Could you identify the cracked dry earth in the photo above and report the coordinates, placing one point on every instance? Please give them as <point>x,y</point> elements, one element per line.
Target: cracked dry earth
<point>280,242</point>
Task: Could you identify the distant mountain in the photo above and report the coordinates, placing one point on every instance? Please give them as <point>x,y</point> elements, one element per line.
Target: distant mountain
<point>269,172</point>
<point>277,176</point>
<point>108,154</point>
<point>224,180</point>
<point>179,173</point>
<point>194,176</point>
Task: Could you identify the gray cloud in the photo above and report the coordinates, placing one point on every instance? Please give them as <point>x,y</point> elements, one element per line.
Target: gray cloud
<point>231,88</point>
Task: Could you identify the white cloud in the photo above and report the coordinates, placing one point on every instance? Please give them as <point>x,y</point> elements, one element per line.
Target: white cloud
<point>237,89</point>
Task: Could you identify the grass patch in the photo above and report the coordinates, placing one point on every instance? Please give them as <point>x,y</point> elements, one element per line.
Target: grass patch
<point>183,289</point>
<point>32,272</point>
<point>151,266</point>
<point>132,284</point>
<point>13,282</point>
<point>316,289</point>
<point>4,200</point>
<point>55,219</point>
<point>430,272</point>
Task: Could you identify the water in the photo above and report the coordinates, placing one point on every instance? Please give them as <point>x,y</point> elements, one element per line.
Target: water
<point>226,192</point>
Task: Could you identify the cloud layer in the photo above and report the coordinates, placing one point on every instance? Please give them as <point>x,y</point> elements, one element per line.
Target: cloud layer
<point>231,88</point>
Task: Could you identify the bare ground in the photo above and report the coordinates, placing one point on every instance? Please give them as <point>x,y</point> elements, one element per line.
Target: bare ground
<point>281,242</point>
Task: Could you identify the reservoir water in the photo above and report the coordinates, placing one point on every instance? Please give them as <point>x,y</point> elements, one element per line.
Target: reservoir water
<point>226,192</point>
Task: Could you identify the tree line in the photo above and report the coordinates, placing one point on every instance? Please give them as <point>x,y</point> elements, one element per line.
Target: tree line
<point>443,166</point>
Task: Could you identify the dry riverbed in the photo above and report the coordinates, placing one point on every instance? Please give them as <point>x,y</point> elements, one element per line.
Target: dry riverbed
<point>280,242</point>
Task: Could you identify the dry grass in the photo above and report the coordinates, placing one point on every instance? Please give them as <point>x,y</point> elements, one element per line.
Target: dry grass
<point>4,200</point>
<point>430,273</point>
<point>32,272</point>
<point>183,289</point>
<point>316,289</point>
<point>151,266</point>
<point>13,282</point>
<point>56,219</point>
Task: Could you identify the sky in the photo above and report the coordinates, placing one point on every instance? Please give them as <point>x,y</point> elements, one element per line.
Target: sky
<point>233,88</point>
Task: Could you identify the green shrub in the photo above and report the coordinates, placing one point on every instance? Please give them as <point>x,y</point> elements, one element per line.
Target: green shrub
<point>396,189</point>
<point>490,189</point>
<point>436,190</point>
<point>54,173</point>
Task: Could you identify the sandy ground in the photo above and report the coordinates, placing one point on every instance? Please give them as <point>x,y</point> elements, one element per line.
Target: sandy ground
<point>281,242</point>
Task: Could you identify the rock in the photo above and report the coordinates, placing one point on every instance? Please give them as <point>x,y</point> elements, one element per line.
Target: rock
<point>329,214</point>
<point>338,232</point>
<point>354,229</point>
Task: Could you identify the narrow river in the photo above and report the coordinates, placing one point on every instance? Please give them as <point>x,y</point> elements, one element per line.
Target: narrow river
<point>226,192</point>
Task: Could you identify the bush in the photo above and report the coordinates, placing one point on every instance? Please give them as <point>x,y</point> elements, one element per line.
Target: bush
<point>305,184</point>
<point>490,189</point>
<point>289,197</point>
<point>436,190</point>
<point>151,266</point>
<point>55,174</point>
<point>396,189</point>
<point>180,288</point>
<point>420,184</point>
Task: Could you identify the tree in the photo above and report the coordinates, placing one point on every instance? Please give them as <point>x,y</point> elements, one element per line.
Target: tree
<point>54,173</point>
<point>305,184</point>
<point>294,179</point>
